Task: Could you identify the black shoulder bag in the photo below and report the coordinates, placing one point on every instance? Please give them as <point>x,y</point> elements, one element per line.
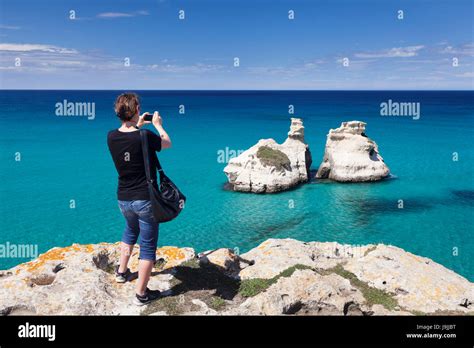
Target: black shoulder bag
<point>167,201</point>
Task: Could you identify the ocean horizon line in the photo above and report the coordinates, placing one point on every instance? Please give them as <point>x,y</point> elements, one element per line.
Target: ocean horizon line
<point>244,90</point>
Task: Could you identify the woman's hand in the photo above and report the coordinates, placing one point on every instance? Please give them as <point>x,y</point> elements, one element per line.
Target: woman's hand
<point>157,120</point>
<point>158,123</point>
<point>141,120</point>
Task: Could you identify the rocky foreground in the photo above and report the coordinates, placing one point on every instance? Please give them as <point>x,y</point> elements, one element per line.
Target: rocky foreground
<point>280,276</point>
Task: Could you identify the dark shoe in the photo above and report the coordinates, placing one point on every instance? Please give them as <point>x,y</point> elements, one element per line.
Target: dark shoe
<point>121,277</point>
<point>160,263</point>
<point>150,295</point>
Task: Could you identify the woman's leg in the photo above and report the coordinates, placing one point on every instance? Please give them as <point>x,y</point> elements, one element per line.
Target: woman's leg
<point>144,271</point>
<point>130,234</point>
<point>125,253</point>
<point>148,243</point>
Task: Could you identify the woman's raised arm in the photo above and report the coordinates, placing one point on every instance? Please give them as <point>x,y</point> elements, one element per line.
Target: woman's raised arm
<point>158,123</point>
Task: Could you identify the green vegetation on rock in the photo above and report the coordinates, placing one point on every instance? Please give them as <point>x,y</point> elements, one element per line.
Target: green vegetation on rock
<point>169,304</point>
<point>216,303</point>
<point>372,295</point>
<point>272,157</point>
<point>192,263</point>
<point>369,250</point>
<point>252,287</point>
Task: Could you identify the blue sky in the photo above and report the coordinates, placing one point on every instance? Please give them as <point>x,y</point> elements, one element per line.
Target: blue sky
<point>89,52</point>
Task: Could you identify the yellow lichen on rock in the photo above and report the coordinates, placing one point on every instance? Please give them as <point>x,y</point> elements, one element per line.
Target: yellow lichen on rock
<point>172,255</point>
<point>55,254</point>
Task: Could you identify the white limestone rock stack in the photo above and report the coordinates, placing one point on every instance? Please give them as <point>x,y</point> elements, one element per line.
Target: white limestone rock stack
<point>351,156</point>
<point>269,167</point>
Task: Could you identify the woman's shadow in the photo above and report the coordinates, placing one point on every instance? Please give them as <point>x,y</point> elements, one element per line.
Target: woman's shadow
<point>195,276</point>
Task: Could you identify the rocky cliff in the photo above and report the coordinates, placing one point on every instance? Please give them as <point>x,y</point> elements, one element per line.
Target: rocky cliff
<point>269,167</point>
<point>280,276</point>
<point>350,156</point>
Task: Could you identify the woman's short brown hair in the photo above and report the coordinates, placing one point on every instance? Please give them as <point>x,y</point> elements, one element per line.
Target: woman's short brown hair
<point>126,106</point>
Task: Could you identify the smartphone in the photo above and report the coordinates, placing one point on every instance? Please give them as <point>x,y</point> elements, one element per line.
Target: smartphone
<point>148,117</point>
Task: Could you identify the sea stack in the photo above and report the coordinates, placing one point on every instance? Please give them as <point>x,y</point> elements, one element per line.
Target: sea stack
<point>269,167</point>
<point>351,156</point>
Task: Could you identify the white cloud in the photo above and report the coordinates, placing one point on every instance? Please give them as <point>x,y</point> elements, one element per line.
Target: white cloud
<point>467,50</point>
<point>9,27</point>
<point>303,68</point>
<point>355,64</point>
<point>193,69</point>
<point>49,58</point>
<point>114,15</point>
<point>12,47</point>
<point>111,15</point>
<point>395,52</point>
<point>468,74</point>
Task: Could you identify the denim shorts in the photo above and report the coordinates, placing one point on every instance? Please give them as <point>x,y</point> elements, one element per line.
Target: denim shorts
<point>140,222</point>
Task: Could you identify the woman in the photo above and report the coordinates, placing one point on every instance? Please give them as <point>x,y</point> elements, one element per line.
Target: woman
<point>132,193</point>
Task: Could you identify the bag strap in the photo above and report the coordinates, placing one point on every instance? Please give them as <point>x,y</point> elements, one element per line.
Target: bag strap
<point>146,158</point>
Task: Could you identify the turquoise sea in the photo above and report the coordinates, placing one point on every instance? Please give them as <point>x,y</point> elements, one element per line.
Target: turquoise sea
<point>66,158</point>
